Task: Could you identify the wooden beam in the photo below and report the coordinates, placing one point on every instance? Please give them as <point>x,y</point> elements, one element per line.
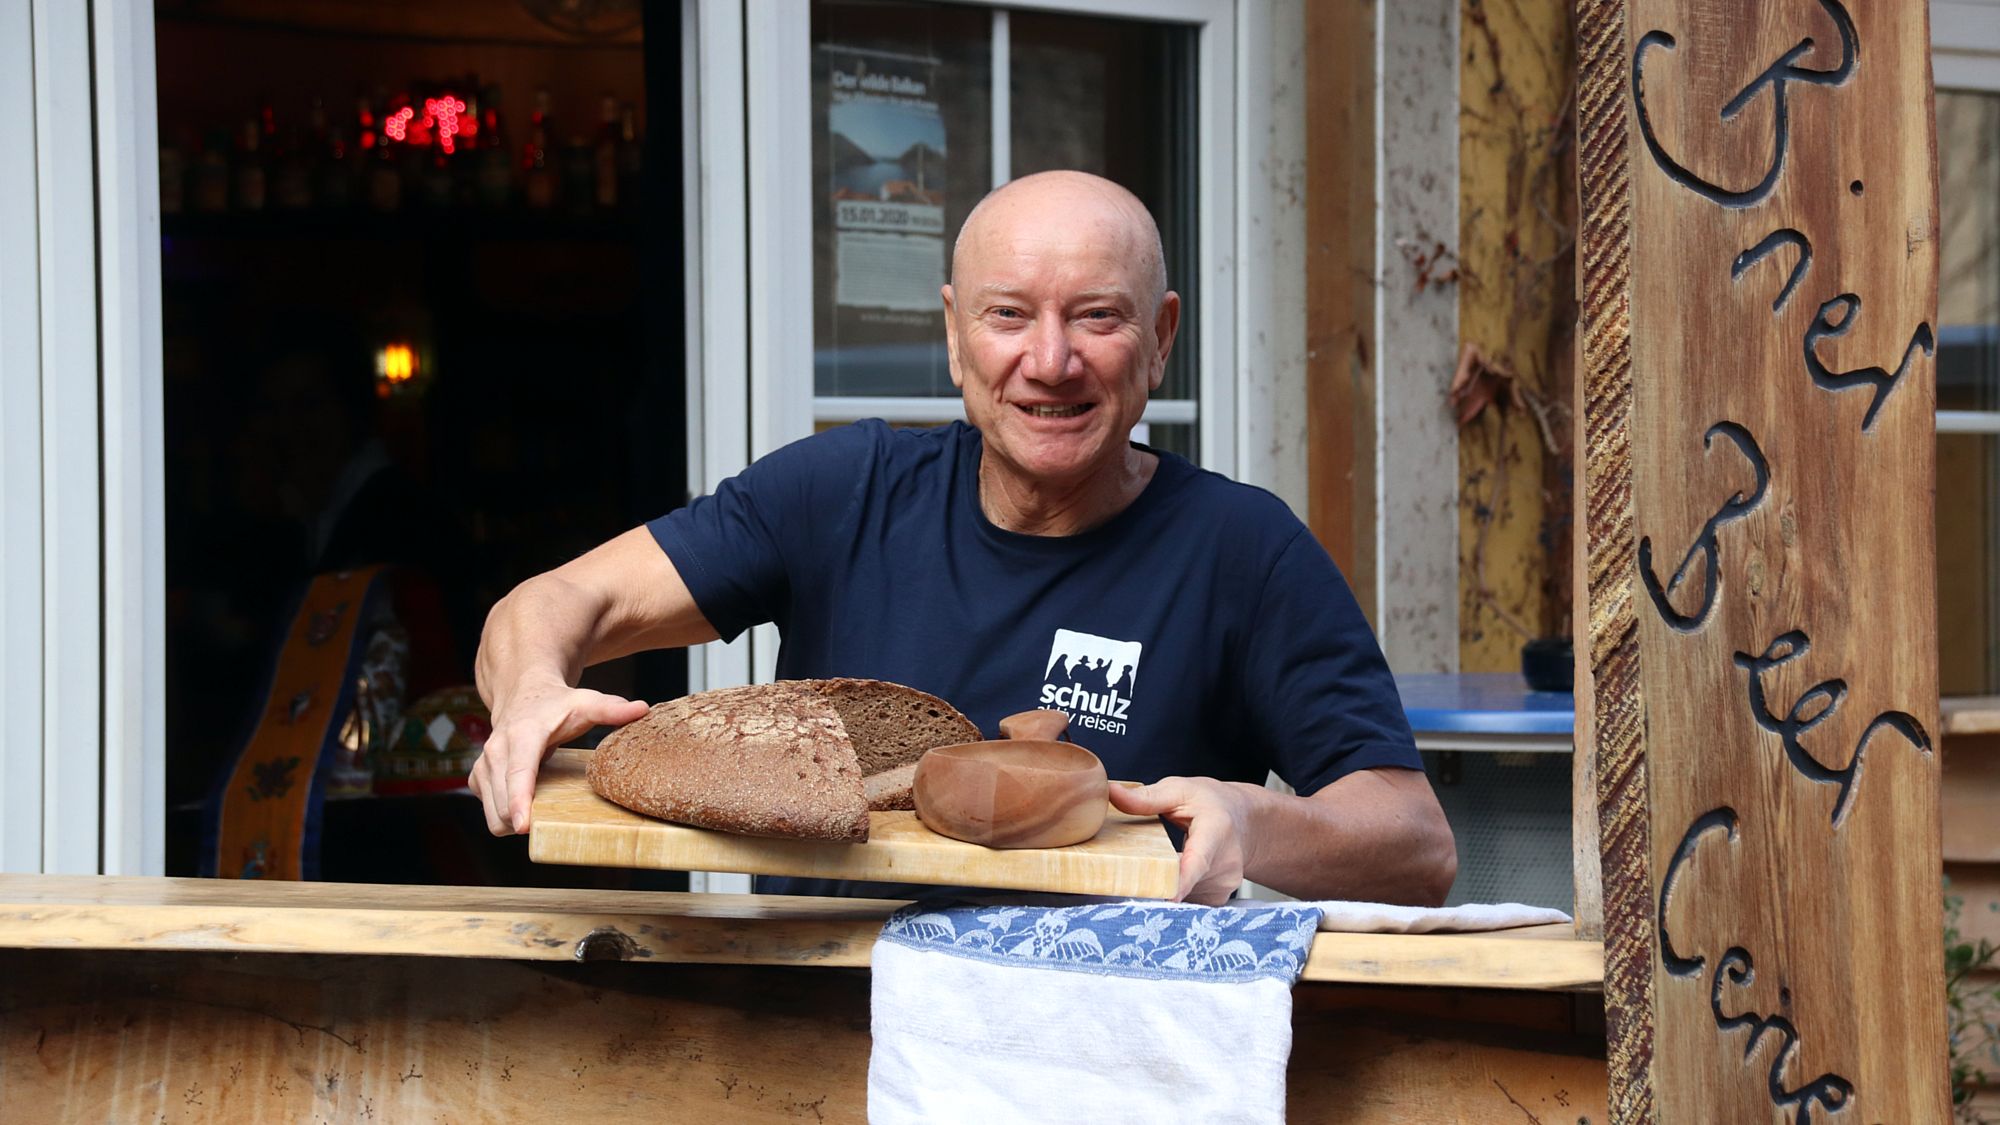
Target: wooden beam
<point>1340,287</point>
<point>543,924</point>
<point>92,1036</point>
<point>1760,288</point>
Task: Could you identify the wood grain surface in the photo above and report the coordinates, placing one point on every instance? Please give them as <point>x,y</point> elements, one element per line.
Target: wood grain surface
<point>665,927</point>
<point>205,1037</point>
<point>1131,856</point>
<point>1759,244</point>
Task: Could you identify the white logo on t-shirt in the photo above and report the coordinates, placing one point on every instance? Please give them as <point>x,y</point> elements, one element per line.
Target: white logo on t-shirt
<point>1090,678</point>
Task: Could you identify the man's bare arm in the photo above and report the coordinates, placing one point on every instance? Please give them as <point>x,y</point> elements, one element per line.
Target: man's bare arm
<point>1375,835</point>
<point>620,598</point>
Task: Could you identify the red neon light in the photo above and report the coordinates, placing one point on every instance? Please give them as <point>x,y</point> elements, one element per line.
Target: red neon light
<point>397,124</point>
<point>444,112</point>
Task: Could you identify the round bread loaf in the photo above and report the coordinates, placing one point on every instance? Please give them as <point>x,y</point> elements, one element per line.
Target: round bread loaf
<point>787,759</point>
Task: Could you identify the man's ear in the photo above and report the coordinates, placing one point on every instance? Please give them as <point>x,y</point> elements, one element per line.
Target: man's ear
<point>951,335</point>
<point>1166,326</point>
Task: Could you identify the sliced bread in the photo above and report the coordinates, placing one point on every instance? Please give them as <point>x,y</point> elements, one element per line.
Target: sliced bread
<point>891,726</point>
<point>787,759</point>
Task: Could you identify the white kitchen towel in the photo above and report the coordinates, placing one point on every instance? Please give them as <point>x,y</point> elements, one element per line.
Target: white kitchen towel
<point>1122,1011</point>
<point>1381,918</point>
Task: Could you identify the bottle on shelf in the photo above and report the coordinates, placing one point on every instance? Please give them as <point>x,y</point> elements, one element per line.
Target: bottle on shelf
<point>537,162</point>
<point>335,171</point>
<point>385,171</point>
<point>292,182</point>
<point>630,156</point>
<point>604,157</point>
<point>173,177</point>
<point>209,183</point>
<point>578,169</point>
<point>469,138</point>
<point>250,178</point>
<point>495,175</point>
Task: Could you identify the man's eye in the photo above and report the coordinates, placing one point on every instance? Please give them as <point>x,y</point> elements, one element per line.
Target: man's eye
<point>1099,314</point>
<point>1007,314</point>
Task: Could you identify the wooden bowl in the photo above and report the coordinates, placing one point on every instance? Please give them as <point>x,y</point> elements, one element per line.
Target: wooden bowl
<point>1012,793</point>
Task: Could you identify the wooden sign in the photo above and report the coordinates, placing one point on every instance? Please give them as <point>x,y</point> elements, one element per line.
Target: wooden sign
<point>1759,289</point>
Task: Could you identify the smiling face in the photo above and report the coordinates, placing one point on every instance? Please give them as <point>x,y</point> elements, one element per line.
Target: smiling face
<point>1058,325</point>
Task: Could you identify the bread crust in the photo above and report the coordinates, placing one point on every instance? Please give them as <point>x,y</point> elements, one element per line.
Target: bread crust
<point>762,760</point>
<point>789,759</point>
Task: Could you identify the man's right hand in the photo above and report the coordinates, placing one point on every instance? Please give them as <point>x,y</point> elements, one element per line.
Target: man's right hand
<point>527,724</point>
<point>617,599</point>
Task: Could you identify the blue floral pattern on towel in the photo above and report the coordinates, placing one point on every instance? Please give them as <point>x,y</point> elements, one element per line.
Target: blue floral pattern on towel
<point>1132,939</point>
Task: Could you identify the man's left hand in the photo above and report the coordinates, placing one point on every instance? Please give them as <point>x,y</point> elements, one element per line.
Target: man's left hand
<point>1215,816</point>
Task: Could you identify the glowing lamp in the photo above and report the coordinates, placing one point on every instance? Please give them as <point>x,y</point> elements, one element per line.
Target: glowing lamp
<point>397,124</point>
<point>442,114</point>
<point>395,365</point>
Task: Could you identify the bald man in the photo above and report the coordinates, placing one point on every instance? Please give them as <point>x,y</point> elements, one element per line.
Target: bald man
<point>1036,557</point>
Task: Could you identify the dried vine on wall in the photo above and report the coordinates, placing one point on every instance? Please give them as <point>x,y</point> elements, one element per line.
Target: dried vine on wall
<point>1517,313</point>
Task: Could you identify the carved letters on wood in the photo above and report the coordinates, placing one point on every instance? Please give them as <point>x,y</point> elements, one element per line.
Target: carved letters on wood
<point>1779,215</point>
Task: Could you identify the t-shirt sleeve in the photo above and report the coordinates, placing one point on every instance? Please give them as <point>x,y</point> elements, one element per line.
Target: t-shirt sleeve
<point>741,549</point>
<point>1318,691</point>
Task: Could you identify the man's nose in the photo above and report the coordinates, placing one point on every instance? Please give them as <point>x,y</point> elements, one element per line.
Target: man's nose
<point>1050,357</point>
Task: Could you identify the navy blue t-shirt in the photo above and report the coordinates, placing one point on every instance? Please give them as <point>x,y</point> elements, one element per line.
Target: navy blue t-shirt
<point>1201,631</point>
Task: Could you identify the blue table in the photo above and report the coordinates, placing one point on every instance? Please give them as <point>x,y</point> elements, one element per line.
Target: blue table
<point>1486,711</point>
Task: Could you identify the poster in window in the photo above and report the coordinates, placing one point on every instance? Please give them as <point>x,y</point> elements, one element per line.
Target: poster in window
<point>886,148</point>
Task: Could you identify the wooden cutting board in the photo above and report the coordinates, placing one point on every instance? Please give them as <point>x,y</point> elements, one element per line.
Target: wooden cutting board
<point>1130,857</point>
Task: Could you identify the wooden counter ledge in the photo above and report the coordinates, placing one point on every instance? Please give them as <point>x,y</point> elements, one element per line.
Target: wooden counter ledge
<point>113,913</point>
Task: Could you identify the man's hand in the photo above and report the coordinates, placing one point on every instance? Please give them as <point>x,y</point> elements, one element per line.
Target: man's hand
<point>526,726</point>
<point>1375,835</point>
<point>1215,815</point>
<point>618,599</point>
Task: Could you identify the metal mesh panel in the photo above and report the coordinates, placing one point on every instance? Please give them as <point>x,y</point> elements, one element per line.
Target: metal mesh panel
<point>1511,814</point>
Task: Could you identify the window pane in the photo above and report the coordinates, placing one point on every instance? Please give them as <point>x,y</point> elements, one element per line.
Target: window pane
<point>1968,471</point>
<point>1116,97</point>
<point>1969,273</point>
<point>1171,437</point>
<point>390,332</point>
<point>902,150</point>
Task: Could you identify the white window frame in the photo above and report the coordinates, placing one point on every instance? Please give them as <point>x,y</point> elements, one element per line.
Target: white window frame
<point>779,50</point>
<point>21,614</point>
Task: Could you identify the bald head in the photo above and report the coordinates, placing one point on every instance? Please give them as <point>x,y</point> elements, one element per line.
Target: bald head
<point>1086,206</point>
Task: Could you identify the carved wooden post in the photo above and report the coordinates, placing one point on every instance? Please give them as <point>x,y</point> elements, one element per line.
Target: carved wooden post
<point>1759,280</point>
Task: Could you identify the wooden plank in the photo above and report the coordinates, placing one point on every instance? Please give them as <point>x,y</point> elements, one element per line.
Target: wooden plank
<point>1970,795</point>
<point>546,924</point>
<point>1586,864</point>
<point>1131,856</point>
<point>1340,272</point>
<point>201,1037</point>
<point>1539,958</point>
<point>1434,1056</point>
<point>1970,714</point>
<point>1760,285</point>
